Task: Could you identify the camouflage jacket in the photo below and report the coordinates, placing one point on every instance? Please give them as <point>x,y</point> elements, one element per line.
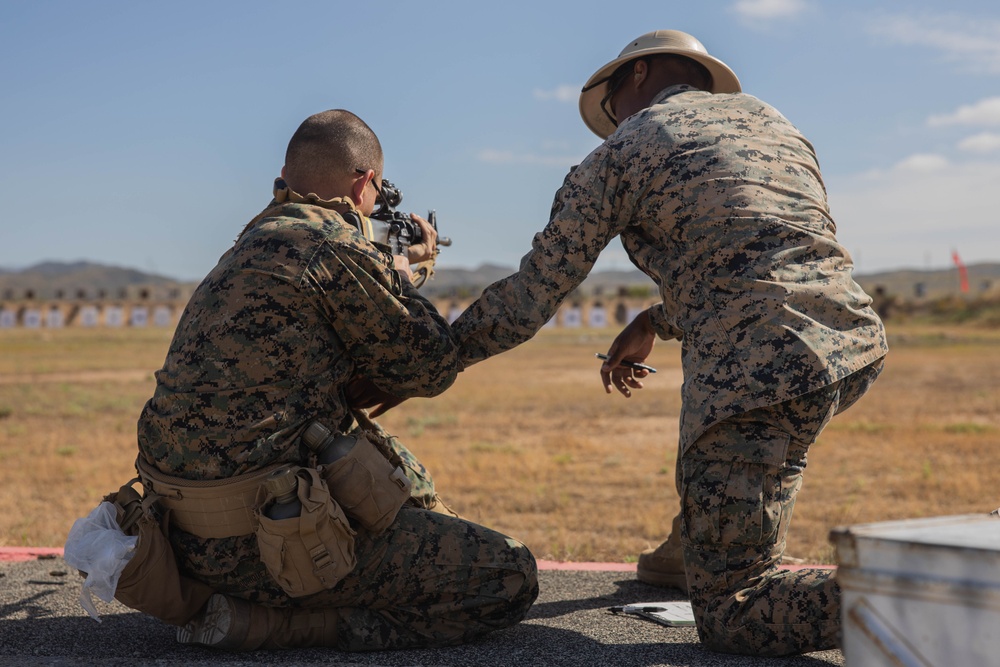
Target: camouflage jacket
<point>299,305</point>
<point>719,200</point>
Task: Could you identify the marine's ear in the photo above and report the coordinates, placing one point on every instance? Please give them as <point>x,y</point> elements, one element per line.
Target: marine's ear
<point>358,186</point>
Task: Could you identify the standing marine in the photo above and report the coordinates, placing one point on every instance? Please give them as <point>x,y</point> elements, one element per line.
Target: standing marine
<point>718,198</point>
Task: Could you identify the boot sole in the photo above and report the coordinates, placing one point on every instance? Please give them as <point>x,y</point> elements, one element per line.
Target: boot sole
<point>211,627</point>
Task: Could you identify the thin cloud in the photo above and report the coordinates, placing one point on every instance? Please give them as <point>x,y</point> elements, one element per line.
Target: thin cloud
<point>918,163</point>
<point>561,93</point>
<point>984,113</point>
<point>972,43</point>
<point>986,142</point>
<point>908,215</point>
<point>769,9</point>
<point>923,163</point>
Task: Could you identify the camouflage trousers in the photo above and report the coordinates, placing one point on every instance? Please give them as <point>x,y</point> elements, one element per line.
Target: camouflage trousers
<point>428,580</point>
<point>738,484</point>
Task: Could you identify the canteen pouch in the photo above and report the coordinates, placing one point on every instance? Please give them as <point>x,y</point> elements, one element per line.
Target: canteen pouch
<point>151,582</point>
<point>367,485</point>
<point>313,551</point>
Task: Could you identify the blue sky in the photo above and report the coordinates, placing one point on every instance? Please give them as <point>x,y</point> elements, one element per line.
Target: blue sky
<point>147,134</point>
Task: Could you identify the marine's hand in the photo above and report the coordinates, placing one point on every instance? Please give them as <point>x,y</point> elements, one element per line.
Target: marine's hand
<point>385,406</point>
<point>634,343</point>
<point>402,266</point>
<point>421,252</point>
<point>363,393</point>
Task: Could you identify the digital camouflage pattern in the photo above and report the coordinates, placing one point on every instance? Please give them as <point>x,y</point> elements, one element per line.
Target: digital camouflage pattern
<point>299,306</point>
<point>719,200</point>
<point>428,580</point>
<point>738,484</point>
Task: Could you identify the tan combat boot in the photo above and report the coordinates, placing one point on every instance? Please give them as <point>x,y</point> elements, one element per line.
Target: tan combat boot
<point>664,565</point>
<point>233,624</point>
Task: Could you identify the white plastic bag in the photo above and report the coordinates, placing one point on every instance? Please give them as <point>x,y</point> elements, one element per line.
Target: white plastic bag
<point>96,545</point>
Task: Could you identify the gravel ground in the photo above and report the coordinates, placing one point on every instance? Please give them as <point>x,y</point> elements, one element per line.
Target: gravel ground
<point>42,624</point>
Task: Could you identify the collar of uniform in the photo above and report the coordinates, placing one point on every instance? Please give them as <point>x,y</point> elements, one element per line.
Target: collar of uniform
<point>670,91</point>
<point>283,195</point>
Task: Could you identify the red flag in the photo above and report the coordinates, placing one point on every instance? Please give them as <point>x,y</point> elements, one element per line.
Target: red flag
<point>963,274</point>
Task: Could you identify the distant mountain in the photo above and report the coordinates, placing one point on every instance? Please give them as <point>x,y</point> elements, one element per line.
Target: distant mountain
<point>454,282</point>
<point>912,283</point>
<point>464,282</point>
<point>54,280</point>
<point>57,280</point>
<point>905,284</point>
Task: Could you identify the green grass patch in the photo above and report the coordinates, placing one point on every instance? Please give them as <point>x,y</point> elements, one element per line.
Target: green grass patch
<point>863,426</point>
<point>493,448</point>
<point>968,428</point>
<point>417,425</point>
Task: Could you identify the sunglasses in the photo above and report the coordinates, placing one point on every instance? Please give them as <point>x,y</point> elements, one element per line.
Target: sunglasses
<point>383,202</point>
<point>614,81</point>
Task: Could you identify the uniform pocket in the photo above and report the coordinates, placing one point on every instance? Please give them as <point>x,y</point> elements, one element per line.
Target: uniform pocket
<point>736,486</point>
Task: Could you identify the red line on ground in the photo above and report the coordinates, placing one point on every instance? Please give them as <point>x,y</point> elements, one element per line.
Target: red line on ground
<point>9,554</point>
<point>630,567</point>
<point>594,567</point>
<point>13,554</point>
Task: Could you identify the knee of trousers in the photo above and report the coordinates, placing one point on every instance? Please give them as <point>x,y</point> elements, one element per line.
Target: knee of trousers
<point>737,502</point>
<point>522,601</point>
<point>524,592</point>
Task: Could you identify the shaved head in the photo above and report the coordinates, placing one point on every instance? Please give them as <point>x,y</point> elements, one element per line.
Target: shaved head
<point>325,151</point>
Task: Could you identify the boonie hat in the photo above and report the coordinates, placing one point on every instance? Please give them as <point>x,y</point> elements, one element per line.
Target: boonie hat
<point>724,80</point>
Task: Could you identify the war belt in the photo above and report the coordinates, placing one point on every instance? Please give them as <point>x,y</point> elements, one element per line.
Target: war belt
<point>212,508</point>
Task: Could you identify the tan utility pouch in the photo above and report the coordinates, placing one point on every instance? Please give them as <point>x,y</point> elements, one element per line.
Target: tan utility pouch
<point>151,582</point>
<point>313,551</point>
<point>367,486</point>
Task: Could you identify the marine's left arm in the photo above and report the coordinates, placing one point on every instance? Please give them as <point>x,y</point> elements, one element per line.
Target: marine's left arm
<point>395,336</point>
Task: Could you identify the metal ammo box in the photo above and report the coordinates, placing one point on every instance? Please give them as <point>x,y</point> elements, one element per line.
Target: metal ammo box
<point>921,592</point>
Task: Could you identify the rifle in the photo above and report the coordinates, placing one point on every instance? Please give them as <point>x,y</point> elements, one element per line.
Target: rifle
<point>396,230</point>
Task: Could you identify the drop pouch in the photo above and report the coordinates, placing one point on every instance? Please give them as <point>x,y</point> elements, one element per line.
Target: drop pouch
<point>367,485</point>
<point>313,551</point>
<point>126,531</point>
<point>151,582</point>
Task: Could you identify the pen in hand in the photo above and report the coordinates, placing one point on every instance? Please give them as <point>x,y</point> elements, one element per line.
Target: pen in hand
<point>629,364</point>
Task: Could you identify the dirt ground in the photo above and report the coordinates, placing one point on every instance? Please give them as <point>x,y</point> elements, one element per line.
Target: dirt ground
<point>529,443</point>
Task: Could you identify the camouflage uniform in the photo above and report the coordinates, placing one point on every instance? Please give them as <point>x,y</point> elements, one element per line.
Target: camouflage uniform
<point>300,305</point>
<point>719,200</point>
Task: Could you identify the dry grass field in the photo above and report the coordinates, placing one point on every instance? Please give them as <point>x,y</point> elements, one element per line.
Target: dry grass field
<point>529,443</point>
